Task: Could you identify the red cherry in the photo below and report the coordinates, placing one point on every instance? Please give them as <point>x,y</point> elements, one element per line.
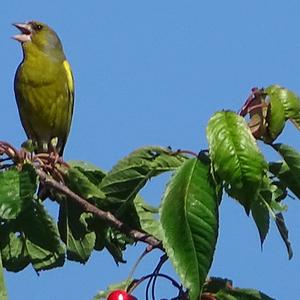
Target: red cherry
<point>120,295</point>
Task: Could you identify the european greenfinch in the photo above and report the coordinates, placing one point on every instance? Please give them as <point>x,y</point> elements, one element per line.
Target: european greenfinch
<point>44,88</point>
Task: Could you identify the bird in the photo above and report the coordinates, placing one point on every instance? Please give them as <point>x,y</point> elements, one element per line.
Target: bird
<point>44,88</point>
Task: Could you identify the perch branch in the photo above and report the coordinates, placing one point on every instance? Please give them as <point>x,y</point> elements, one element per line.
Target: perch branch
<point>104,215</point>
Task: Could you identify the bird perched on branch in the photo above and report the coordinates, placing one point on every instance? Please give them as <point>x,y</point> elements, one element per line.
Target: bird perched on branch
<point>44,88</point>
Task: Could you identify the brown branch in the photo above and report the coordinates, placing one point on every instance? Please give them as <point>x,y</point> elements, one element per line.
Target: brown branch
<point>44,163</point>
<point>103,215</point>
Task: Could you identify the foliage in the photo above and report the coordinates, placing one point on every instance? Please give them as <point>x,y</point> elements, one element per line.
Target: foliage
<point>103,210</point>
<point>191,201</point>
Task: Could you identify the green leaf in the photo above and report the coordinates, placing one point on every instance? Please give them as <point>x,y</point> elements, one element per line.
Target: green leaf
<point>284,233</point>
<point>28,183</point>
<point>260,214</point>
<point>31,238</point>
<point>241,294</point>
<point>236,159</point>
<point>115,242</point>
<point>13,249</point>
<point>127,213</point>
<point>266,204</point>
<point>41,237</point>
<point>113,287</point>
<point>277,207</point>
<point>93,173</point>
<point>100,228</point>
<point>138,215</point>
<point>279,193</point>
<point>3,292</point>
<point>16,189</point>
<point>275,119</point>
<point>79,183</point>
<point>10,202</point>
<point>74,232</point>
<point>291,157</point>
<point>147,219</point>
<point>130,174</point>
<point>282,171</point>
<point>189,219</point>
<point>289,100</point>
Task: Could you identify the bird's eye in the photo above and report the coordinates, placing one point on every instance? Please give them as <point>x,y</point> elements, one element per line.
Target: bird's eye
<point>38,27</point>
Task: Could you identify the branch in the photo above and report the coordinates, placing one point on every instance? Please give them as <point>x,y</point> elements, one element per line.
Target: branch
<point>44,163</point>
<point>104,215</point>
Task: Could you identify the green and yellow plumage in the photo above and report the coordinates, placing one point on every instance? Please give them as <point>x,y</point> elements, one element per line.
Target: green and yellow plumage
<point>44,87</point>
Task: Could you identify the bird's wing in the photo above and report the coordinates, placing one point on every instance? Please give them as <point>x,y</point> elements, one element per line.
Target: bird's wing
<point>70,87</point>
<point>69,75</point>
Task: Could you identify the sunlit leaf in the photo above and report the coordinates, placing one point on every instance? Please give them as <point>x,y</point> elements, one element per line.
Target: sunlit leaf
<point>189,218</point>
<point>235,156</point>
<point>289,100</point>
<point>130,174</point>
<point>275,119</point>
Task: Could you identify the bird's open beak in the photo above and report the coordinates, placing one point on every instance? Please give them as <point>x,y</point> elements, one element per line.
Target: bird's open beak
<point>25,30</point>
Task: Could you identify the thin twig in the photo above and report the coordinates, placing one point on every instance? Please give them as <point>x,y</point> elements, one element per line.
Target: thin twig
<point>189,152</point>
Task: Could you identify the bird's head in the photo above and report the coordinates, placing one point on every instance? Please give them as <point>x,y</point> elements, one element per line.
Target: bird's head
<point>38,35</point>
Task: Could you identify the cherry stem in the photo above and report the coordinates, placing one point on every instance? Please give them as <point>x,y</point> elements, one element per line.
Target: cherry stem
<point>148,249</point>
<point>174,282</point>
<point>152,280</point>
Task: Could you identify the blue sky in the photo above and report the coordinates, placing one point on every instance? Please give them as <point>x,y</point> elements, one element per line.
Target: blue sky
<point>153,72</point>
